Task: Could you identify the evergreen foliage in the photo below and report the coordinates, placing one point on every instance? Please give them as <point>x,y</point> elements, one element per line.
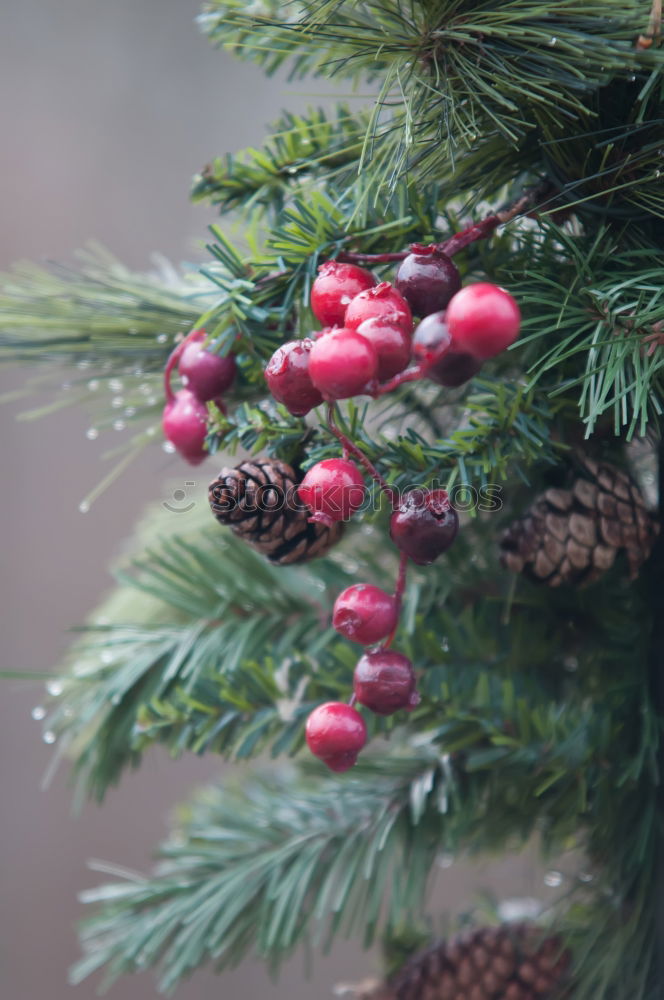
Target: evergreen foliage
<point>541,710</point>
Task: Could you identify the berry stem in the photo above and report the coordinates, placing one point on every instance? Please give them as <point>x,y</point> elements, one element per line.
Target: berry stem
<point>398,595</point>
<point>459,241</point>
<point>412,374</point>
<point>352,449</point>
<point>173,359</point>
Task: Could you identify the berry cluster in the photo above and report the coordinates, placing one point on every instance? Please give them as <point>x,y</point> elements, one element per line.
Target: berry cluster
<point>368,346</point>
<point>205,376</point>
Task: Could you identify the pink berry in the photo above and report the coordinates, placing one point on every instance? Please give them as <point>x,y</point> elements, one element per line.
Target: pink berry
<point>384,301</point>
<point>184,423</point>
<point>332,489</point>
<point>288,379</point>
<point>334,288</point>
<point>424,525</point>
<point>483,320</point>
<point>392,344</point>
<point>205,374</point>
<point>336,733</point>
<point>365,614</point>
<point>384,681</point>
<point>434,347</point>
<point>427,279</point>
<point>342,364</point>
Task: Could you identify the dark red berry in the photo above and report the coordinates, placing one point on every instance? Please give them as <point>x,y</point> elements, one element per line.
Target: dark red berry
<point>392,344</point>
<point>384,301</point>
<point>204,373</point>
<point>433,347</point>
<point>334,288</point>
<point>332,489</point>
<point>184,423</point>
<point>342,364</point>
<point>288,379</point>
<point>483,320</point>
<point>424,525</point>
<point>384,681</point>
<point>365,613</point>
<point>336,733</point>
<point>427,279</point>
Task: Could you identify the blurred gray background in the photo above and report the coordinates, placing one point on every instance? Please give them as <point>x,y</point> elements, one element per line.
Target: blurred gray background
<point>106,109</point>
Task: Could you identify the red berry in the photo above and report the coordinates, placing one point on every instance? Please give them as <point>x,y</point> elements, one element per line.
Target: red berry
<point>427,279</point>
<point>184,423</point>
<point>365,613</point>
<point>204,373</point>
<point>384,681</point>
<point>424,525</point>
<point>288,379</point>
<point>334,288</point>
<point>392,344</point>
<point>332,489</point>
<point>434,347</point>
<point>342,363</point>
<point>384,301</point>
<point>483,320</point>
<point>336,733</point>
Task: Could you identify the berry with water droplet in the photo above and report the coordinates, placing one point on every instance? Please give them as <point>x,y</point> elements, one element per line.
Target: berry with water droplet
<point>483,320</point>
<point>434,348</point>
<point>288,379</point>
<point>392,344</point>
<point>332,489</point>
<point>206,374</point>
<point>334,288</point>
<point>342,364</point>
<point>384,301</point>
<point>184,423</point>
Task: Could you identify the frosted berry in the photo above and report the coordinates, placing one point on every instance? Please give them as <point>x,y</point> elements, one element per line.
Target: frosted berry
<point>427,279</point>
<point>205,374</point>
<point>434,347</point>
<point>424,525</point>
<point>332,489</point>
<point>392,344</point>
<point>334,288</point>
<point>365,614</point>
<point>384,301</point>
<point>336,733</point>
<point>342,364</point>
<point>483,320</point>
<point>288,379</point>
<point>184,423</point>
<point>384,681</point>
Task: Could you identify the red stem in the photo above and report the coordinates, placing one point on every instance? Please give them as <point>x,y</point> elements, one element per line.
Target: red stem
<point>398,596</point>
<point>411,374</point>
<point>173,359</point>
<point>352,449</point>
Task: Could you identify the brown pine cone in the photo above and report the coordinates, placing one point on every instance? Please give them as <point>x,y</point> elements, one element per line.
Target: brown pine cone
<point>511,962</point>
<point>258,501</point>
<point>573,536</point>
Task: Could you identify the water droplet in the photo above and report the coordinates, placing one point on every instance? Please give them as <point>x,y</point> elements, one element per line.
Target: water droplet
<point>49,736</point>
<point>117,402</point>
<point>658,173</point>
<point>118,425</point>
<point>162,338</point>
<point>55,688</point>
<point>516,910</point>
<point>115,385</point>
<point>107,657</point>
<point>553,41</point>
<point>553,879</point>
<point>586,877</point>
<point>132,331</point>
<point>83,364</point>
<point>65,386</point>
<point>138,372</point>
<point>168,447</point>
<point>84,506</point>
<point>116,699</point>
<point>93,384</point>
<point>631,77</point>
<point>445,645</point>
<point>571,663</point>
<point>92,434</point>
<point>151,431</point>
<point>38,713</point>
<point>130,411</point>
<point>445,860</point>
<point>152,400</point>
<point>145,388</point>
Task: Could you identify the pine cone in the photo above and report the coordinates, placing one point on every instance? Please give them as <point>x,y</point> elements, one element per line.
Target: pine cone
<point>259,501</point>
<point>512,962</point>
<point>573,536</point>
